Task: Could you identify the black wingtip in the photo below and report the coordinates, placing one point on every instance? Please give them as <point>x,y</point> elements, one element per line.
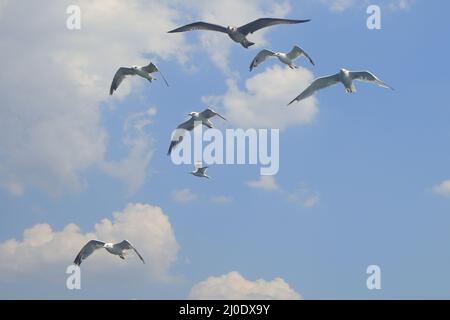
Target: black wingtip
<point>169,152</point>
<point>174,30</point>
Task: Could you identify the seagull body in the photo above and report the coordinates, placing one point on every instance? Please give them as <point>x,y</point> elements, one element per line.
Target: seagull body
<point>237,34</point>
<point>196,118</point>
<point>345,77</point>
<point>201,173</point>
<point>144,72</point>
<point>119,249</point>
<point>286,58</point>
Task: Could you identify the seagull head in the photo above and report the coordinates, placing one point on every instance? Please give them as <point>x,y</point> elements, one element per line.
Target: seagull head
<point>135,67</point>
<point>344,70</point>
<point>232,29</point>
<point>108,245</point>
<point>193,114</point>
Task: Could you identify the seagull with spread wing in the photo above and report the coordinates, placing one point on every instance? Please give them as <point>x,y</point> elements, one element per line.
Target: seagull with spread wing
<point>144,72</point>
<point>286,58</point>
<point>238,34</point>
<point>196,118</point>
<point>345,77</point>
<point>200,172</point>
<point>119,249</point>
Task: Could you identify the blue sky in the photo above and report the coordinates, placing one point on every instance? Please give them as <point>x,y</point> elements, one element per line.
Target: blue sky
<point>376,162</point>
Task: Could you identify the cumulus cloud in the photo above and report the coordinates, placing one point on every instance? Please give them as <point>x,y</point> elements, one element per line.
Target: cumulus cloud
<point>43,249</point>
<point>221,199</point>
<point>233,286</point>
<point>267,183</point>
<point>401,5</point>
<point>184,195</point>
<point>338,5</point>
<point>262,102</point>
<point>303,196</point>
<point>133,168</point>
<point>443,189</point>
<point>342,5</point>
<point>50,118</point>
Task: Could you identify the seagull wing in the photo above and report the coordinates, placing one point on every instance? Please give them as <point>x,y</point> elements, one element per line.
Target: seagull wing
<point>178,134</point>
<point>209,113</point>
<point>200,26</point>
<point>265,22</point>
<point>125,245</point>
<point>202,170</point>
<point>318,84</point>
<point>151,68</point>
<point>368,77</point>
<point>119,76</point>
<point>297,52</point>
<point>261,57</point>
<point>87,250</point>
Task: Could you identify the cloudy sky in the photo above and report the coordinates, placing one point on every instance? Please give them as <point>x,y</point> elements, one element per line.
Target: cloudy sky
<point>364,179</point>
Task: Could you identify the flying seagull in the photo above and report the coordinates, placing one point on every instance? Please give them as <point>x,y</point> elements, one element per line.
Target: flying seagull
<point>238,34</point>
<point>119,249</point>
<point>200,172</point>
<point>144,72</point>
<point>196,118</point>
<point>286,58</point>
<point>345,77</point>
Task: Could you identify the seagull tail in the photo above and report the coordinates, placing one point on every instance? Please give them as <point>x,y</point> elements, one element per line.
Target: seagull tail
<point>246,43</point>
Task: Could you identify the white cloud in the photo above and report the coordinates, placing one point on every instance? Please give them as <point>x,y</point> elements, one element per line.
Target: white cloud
<point>263,102</point>
<point>184,195</point>
<point>401,5</point>
<point>133,168</point>
<point>233,286</point>
<point>51,91</point>
<point>303,196</point>
<point>342,5</point>
<point>221,199</point>
<point>44,250</point>
<point>339,5</point>
<point>443,189</point>
<point>267,183</point>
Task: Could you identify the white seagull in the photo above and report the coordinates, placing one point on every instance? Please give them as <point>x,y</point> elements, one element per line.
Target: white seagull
<point>196,118</point>
<point>286,58</point>
<point>345,77</point>
<point>200,172</point>
<point>144,72</point>
<point>119,249</point>
<point>238,34</point>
